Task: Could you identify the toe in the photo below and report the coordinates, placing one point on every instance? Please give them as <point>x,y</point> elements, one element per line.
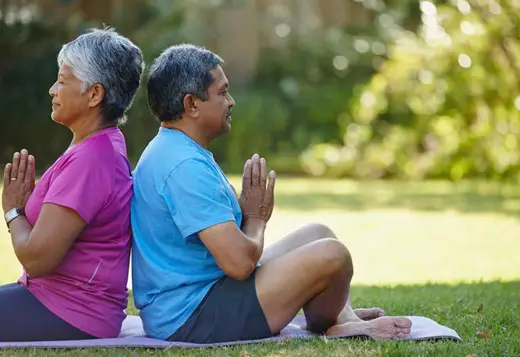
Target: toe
<point>402,322</point>
<point>368,314</point>
<point>378,312</point>
<point>401,335</point>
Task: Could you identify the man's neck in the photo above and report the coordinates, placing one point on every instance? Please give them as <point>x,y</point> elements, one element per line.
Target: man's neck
<point>188,130</point>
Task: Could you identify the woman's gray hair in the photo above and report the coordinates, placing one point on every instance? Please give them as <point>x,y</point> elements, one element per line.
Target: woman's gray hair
<point>105,57</point>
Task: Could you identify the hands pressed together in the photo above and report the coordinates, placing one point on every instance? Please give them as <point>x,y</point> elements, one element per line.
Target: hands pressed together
<point>19,181</point>
<point>257,197</point>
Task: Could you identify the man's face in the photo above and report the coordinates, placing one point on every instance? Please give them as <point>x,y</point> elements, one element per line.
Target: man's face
<point>215,112</point>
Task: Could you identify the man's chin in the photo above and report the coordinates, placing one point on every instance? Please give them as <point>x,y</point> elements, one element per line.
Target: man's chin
<point>227,126</point>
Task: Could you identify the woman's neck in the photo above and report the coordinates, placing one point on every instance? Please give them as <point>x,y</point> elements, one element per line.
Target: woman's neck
<point>85,129</point>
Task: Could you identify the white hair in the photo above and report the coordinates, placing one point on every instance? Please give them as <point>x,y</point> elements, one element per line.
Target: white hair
<point>104,57</point>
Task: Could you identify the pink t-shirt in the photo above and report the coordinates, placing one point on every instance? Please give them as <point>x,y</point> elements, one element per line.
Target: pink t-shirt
<point>88,289</point>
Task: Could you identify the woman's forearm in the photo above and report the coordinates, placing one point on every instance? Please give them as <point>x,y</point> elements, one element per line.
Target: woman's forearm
<point>20,238</point>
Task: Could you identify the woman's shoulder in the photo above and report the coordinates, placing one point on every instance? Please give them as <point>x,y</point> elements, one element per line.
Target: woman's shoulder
<point>100,149</point>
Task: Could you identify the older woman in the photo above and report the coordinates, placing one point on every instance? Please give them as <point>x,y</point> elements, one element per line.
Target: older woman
<point>71,232</point>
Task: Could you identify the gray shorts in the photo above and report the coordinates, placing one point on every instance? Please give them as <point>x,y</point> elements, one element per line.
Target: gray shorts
<point>230,311</point>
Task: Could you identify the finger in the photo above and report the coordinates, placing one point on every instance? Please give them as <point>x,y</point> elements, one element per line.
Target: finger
<point>255,175</point>
<point>246,177</point>
<point>22,167</point>
<point>7,174</point>
<point>263,174</point>
<point>270,186</point>
<point>16,161</point>
<point>30,175</point>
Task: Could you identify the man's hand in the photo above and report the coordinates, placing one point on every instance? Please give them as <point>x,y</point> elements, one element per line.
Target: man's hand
<point>257,199</point>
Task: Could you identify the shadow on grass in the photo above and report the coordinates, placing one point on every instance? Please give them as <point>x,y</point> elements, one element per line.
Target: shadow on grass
<point>470,199</point>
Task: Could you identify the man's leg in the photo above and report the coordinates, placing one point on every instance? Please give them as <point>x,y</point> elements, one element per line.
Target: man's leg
<point>305,235</point>
<point>316,276</point>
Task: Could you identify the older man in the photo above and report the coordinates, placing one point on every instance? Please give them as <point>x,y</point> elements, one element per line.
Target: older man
<point>200,271</point>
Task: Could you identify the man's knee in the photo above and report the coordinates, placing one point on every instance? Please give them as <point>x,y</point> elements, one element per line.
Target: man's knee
<point>320,231</point>
<point>333,256</point>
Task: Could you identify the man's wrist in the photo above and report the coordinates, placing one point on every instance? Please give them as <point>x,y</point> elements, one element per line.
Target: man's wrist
<point>257,221</point>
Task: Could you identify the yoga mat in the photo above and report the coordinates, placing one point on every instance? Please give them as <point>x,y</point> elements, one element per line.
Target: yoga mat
<point>132,335</point>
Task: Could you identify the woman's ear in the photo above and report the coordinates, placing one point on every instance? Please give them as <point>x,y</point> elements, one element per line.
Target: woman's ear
<point>96,94</point>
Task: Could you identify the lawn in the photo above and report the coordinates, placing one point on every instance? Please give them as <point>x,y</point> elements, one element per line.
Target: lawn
<point>441,250</point>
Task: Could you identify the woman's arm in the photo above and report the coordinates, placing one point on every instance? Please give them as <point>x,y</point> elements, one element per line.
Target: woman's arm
<point>41,249</point>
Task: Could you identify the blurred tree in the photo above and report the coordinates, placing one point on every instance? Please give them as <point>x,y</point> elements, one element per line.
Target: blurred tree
<point>446,103</point>
<point>365,89</point>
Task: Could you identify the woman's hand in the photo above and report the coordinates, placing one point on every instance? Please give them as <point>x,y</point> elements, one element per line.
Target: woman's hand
<point>19,181</point>
<point>257,200</point>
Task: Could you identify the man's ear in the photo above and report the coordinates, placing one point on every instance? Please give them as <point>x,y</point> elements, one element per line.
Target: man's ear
<point>190,105</point>
<point>96,94</point>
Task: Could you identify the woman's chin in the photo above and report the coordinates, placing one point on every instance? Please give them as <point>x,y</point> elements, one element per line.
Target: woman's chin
<point>56,118</point>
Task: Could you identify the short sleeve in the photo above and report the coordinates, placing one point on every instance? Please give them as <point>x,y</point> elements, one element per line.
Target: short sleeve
<point>82,183</point>
<point>196,197</point>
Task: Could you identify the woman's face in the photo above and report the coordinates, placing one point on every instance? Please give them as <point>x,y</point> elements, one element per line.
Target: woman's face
<point>68,103</point>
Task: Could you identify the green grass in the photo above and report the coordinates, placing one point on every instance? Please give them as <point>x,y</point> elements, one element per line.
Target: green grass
<point>427,248</point>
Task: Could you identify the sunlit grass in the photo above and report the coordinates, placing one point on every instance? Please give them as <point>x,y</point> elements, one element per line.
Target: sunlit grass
<point>397,232</point>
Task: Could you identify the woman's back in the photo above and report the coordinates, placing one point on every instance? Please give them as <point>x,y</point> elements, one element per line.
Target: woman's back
<point>88,289</point>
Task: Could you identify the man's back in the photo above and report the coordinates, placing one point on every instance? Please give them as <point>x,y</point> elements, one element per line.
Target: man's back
<point>178,191</point>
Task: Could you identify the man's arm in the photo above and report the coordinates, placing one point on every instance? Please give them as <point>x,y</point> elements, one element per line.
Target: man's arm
<point>236,252</point>
<point>200,205</point>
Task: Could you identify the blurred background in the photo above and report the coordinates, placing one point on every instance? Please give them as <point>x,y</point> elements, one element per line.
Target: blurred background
<point>365,89</point>
<point>396,123</point>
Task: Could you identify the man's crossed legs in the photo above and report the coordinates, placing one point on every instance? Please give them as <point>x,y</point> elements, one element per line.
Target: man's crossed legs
<point>311,269</point>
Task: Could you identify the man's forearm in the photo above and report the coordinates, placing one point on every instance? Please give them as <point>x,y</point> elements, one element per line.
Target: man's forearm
<point>254,229</point>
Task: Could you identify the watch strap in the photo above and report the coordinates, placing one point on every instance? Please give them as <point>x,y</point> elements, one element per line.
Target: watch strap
<point>12,214</point>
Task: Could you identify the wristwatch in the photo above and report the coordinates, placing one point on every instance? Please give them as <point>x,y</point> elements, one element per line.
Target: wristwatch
<point>12,214</point>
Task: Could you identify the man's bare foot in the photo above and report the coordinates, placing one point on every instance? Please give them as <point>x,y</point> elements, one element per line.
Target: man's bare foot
<point>385,327</point>
<point>369,313</point>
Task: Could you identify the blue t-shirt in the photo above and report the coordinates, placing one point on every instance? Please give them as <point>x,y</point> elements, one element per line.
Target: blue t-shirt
<point>178,191</point>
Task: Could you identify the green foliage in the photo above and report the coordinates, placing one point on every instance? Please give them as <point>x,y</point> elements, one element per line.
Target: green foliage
<point>376,100</point>
<point>445,104</point>
<point>28,70</point>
